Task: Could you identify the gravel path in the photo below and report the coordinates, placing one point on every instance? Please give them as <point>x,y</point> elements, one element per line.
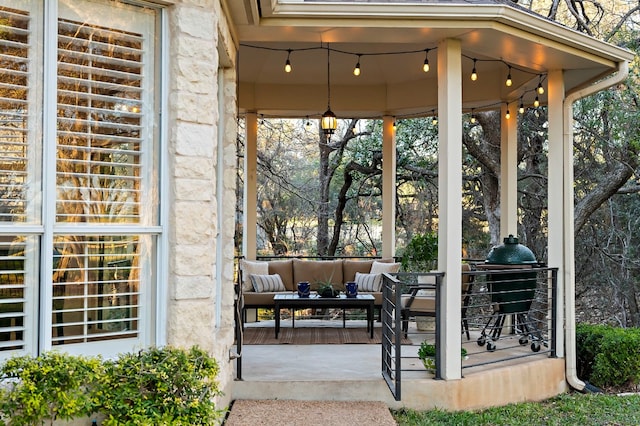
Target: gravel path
<point>308,413</point>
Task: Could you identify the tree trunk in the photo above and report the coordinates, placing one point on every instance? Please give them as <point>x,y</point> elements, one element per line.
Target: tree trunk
<point>323,200</point>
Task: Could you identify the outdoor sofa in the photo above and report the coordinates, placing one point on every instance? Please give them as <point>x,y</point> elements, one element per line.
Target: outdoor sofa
<point>262,280</point>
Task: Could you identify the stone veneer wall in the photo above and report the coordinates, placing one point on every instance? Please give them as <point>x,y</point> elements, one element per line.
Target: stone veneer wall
<point>198,28</point>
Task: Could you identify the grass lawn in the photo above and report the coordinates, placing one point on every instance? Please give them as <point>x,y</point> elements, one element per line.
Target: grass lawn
<point>569,409</point>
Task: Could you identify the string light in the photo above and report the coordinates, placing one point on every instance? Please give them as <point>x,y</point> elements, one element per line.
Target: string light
<point>329,119</point>
<point>508,114</point>
<point>356,70</point>
<point>540,89</point>
<point>395,125</point>
<point>307,124</point>
<point>287,64</point>
<point>425,65</point>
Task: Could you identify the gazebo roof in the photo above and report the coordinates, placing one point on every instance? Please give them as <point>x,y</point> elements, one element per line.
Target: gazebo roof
<point>497,34</point>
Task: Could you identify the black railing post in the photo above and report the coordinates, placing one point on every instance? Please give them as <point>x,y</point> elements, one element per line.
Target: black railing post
<point>554,311</point>
<point>391,337</point>
<point>439,336</point>
<point>397,334</point>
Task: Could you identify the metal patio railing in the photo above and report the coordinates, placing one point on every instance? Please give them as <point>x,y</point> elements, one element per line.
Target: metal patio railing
<point>510,314</point>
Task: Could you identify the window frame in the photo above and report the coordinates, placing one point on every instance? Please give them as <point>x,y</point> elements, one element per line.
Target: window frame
<point>43,56</point>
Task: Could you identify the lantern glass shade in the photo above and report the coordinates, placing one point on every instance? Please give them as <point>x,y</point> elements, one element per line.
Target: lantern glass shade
<point>329,122</point>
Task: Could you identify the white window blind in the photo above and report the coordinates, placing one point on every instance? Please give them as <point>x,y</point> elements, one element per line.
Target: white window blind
<point>96,288</point>
<point>13,293</point>
<point>14,113</point>
<point>98,282</point>
<point>100,112</point>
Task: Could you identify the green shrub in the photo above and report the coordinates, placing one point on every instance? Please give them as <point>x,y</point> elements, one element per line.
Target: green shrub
<point>588,341</point>
<point>421,254</point>
<point>608,356</point>
<point>51,386</point>
<point>157,386</point>
<point>161,386</point>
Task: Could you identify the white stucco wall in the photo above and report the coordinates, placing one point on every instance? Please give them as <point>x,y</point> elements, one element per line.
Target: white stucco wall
<point>196,313</point>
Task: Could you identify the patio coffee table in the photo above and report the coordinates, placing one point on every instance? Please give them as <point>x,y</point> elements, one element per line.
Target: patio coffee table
<point>292,301</point>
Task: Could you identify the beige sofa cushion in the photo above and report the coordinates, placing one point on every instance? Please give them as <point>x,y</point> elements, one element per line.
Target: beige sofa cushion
<point>252,267</point>
<point>284,268</point>
<point>382,267</point>
<point>422,304</point>
<point>259,299</point>
<point>351,267</point>
<point>318,272</point>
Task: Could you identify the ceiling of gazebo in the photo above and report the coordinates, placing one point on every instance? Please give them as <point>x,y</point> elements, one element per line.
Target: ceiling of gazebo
<point>392,83</point>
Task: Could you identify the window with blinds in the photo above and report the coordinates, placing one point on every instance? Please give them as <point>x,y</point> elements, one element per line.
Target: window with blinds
<point>97,282</point>
<point>96,288</point>
<point>14,112</point>
<point>100,104</point>
<point>12,293</point>
<point>104,99</point>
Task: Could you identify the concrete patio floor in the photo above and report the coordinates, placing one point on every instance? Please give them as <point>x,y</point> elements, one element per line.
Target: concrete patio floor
<point>353,373</point>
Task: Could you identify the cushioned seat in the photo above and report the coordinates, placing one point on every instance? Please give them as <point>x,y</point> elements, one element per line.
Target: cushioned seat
<point>422,302</point>
<point>256,283</point>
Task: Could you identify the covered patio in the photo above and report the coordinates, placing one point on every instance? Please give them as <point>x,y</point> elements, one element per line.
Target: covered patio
<point>291,368</point>
<point>518,59</point>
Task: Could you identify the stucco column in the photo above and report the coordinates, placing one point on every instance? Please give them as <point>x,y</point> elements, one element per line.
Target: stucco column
<point>509,171</point>
<point>388,187</point>
<point>250,221</point>
<point>560,193</point>
<point>450,201</point>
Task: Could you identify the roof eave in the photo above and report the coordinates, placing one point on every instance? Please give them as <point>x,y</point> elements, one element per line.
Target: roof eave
<point>438,16</point>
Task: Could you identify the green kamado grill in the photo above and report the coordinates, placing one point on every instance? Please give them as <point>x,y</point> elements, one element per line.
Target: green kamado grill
<point>511,293</point>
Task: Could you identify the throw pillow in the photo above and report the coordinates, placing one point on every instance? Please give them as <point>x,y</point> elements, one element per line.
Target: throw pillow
<point>369,282</point>
<point>252,267</point>
<point>267,283</point>
<point>382,267</point>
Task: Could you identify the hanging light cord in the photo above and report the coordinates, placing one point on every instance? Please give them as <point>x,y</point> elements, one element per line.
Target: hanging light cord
<point>328,78</point>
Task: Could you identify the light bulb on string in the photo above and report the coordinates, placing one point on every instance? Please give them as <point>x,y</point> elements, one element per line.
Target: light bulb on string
<point>356,70</point>
<point>508,114</point>
<point>540,89</point>
<point>521,109</point>
<point>473,117</point>
<point>395,125</point>
<point>536,102</point>
<point>474,73</point>
<point>509,82</point>
<point>287,64</point>
<point>307,124</point>
<point>425,65</point>
<point>434,120</point>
